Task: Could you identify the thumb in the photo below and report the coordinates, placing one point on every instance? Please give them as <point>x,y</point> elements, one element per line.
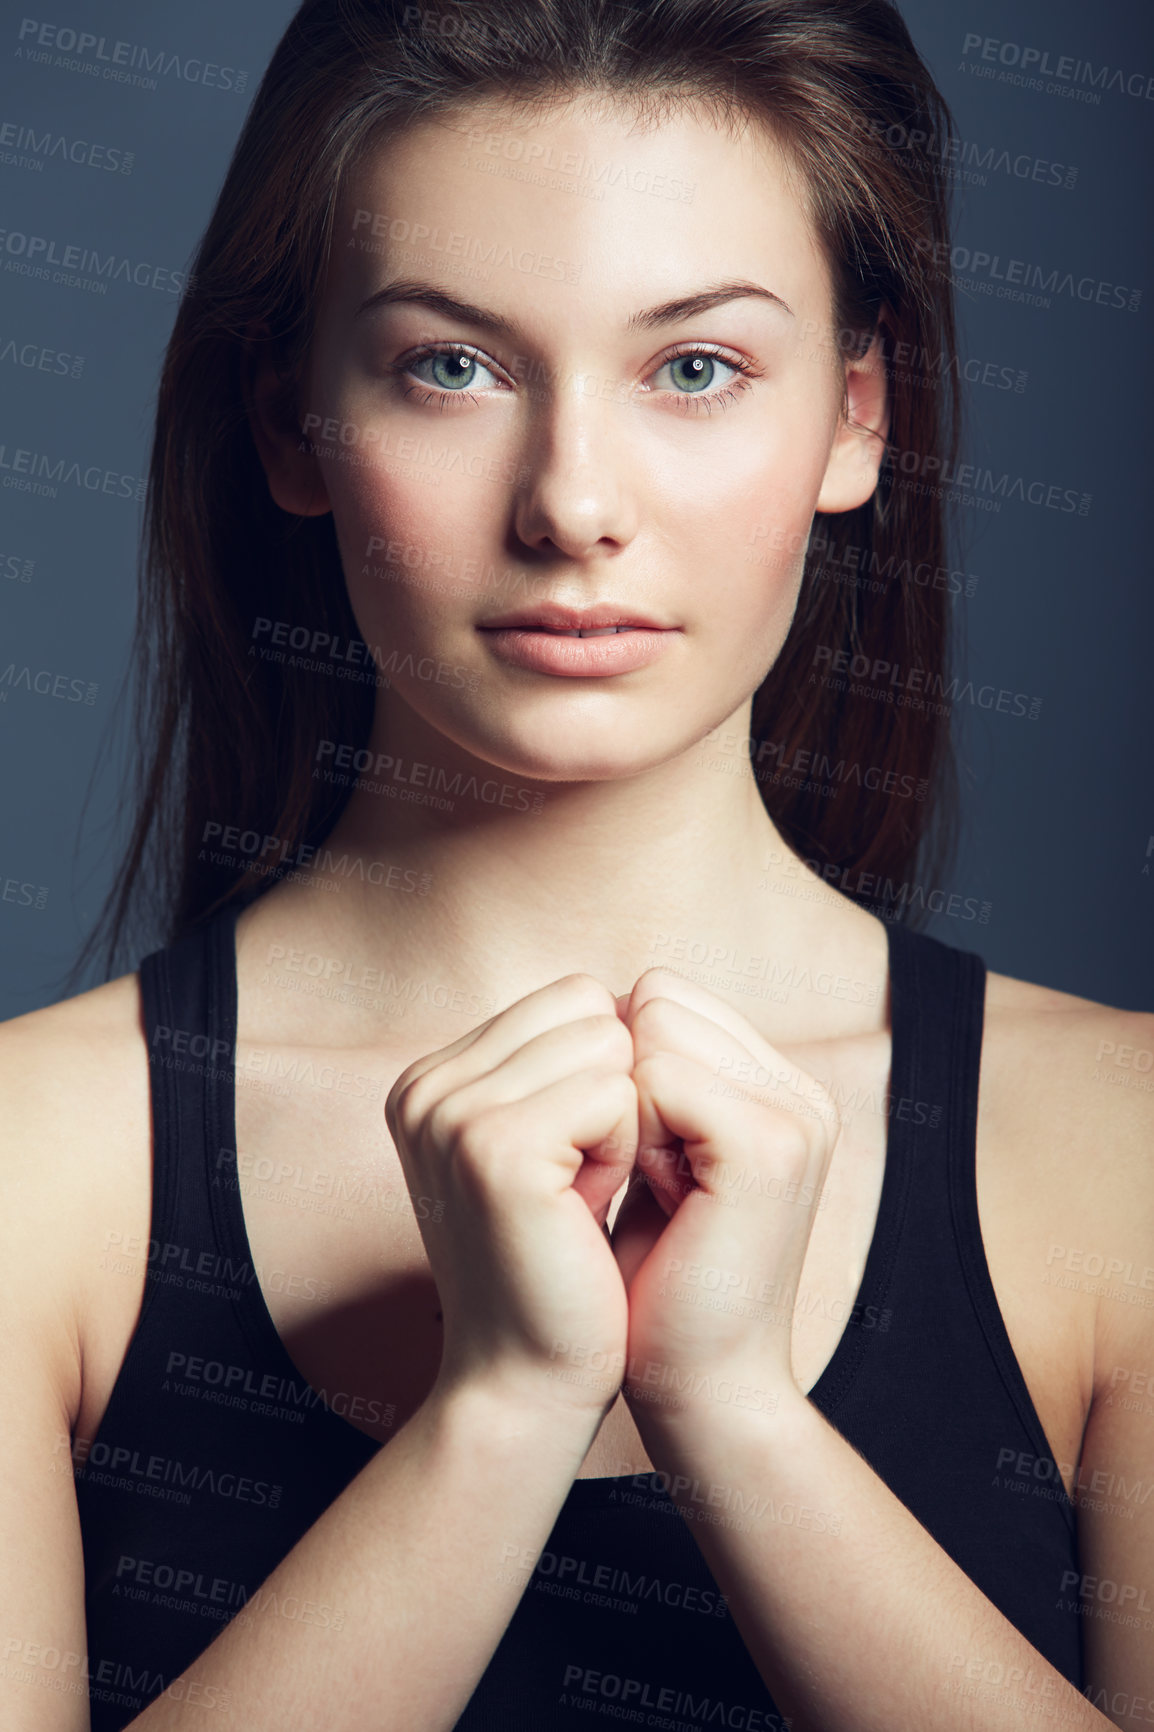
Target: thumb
<point>639,1224</point>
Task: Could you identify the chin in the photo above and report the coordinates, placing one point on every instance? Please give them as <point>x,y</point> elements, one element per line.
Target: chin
<point>610,763</point>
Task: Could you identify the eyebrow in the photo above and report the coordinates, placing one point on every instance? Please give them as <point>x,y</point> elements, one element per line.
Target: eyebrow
<point>415,293</point>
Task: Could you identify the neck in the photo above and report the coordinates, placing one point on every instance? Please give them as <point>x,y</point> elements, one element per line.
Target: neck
<point>493,884</point>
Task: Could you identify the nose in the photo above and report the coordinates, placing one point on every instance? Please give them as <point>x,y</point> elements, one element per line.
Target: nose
<point>579,496</point>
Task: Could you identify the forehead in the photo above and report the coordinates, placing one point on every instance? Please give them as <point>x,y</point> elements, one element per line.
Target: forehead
<point>580,204</point>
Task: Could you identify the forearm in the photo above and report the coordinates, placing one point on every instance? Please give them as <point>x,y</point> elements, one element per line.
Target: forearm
<point>412,1554</point>
<point>853,1614</point>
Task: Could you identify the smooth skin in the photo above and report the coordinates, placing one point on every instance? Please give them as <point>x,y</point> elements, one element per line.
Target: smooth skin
<point>545,1061</point>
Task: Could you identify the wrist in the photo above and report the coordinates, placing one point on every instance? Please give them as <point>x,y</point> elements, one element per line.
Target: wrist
<point>719,1412</point>
<point>518,1415</point>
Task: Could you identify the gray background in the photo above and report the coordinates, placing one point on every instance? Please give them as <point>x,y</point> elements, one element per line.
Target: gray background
<point>1058,813</point>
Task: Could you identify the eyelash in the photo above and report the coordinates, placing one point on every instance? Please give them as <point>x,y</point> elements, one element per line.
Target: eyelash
<point>692,403</point>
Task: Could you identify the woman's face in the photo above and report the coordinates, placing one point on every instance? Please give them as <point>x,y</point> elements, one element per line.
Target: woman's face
<point>576,364</point>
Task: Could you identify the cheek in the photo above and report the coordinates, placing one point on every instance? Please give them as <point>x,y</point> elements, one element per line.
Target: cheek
<point>757,557</point>
<point>750,494</point>
<point>416,539</point>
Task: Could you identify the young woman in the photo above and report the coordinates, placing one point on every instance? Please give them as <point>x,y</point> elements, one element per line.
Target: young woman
<point>537,1081</point>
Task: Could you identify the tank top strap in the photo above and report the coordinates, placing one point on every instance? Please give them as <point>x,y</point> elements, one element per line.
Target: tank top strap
<point>938,1014</point>
<point>939,1000</point>
<point>190,1028</point>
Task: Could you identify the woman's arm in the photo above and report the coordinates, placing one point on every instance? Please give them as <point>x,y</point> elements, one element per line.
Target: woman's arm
<point>414,1553</point>
<point>411,1559</point>
<point>854,1615</point>
<point>1115,1485</point>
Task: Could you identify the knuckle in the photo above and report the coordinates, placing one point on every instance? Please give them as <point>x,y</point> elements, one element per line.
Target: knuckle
<point>477,1143</point>
<point>655,1015</point>
<point>649,1068</point>
<point>585,990</point>
<point>795,1140</point>
<point>656,981</point>
<point>403,1109</point>
<point>823,1116</point>
<point>614,1039</point>
<point>391,1112</point>
<point>804,1143</point>
<point>443,1125</point>
<point>620,1086</point>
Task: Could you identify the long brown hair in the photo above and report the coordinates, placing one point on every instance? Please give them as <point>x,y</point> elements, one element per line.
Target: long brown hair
<point>841,86</point>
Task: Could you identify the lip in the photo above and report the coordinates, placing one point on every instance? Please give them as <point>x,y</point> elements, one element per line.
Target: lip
<point>552,617</point>
<point>544,651</point>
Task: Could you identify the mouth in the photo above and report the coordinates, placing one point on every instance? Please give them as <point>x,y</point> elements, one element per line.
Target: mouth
<point>559,649</point>
<point>605,620</point>
<point>598,631</point>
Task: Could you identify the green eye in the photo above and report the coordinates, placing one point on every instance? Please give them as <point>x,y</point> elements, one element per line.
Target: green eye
<point>452,370</point>
<point>694,372</point>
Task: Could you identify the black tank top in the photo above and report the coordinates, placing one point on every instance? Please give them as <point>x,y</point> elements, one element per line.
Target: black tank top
<point>215,1455</point>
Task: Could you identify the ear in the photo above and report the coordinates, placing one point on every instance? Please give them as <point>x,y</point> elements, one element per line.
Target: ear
<point>293,473</point>
<point>851,474</point>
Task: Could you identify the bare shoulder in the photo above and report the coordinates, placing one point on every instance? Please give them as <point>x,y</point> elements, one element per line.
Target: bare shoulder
<point>75,1150</point>
<point>1067,1119</point>
<point>79,1066</point>
<point>1083,1070</point>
